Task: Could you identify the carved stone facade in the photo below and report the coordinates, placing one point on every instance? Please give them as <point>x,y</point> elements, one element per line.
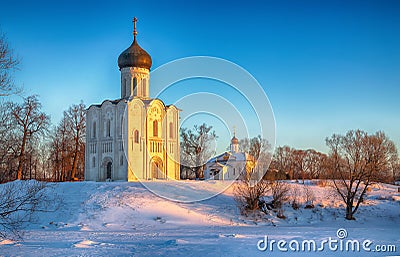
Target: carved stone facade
<point>134,137</point>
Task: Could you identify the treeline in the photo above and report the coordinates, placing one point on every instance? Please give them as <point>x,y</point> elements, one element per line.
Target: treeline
<point>350,155</point>
<point>355,161</point>
<point>30,148</point>
<point>374,152</point>
<point>291,163</point>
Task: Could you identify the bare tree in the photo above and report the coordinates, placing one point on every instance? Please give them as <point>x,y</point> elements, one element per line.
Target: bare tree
<point>55,156</point>
<point>30,121</point>
<point>308,164</point>
<point>65,149</point>
<point>60,151</point>
<point>76,117</point>
<point>196,148</point>
<point>284,161</point>
<point>317,164</point>
<point>357,159</point>
<point>7,143</point>
<point>256,146</point>
<point>250,186</point>
<point>19,200</point>
<point>8,64</point>
<point>396,170</point>
<point>300,167</point>
<point>280,192</point>
<point>249,191</point>
<point>260,150</point>
<point>390,163</point>
<point>67,145</point>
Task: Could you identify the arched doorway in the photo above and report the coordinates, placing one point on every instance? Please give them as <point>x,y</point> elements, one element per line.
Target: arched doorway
<point>108,170</point>
<point>157,168</point>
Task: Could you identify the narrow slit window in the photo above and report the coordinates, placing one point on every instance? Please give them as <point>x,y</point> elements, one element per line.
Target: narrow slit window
<point>155,128</point>
<point>136,136</point>
<point>144,82</point>
<point>108,128</point>
<point>94,129</point>
<point>171,130</point>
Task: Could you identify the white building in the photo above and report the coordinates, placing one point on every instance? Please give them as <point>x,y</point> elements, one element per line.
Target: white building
<point>229,165</point>
<point>134,137</point>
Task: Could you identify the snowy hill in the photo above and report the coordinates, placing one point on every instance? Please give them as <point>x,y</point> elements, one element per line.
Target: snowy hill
<point>125,219</point>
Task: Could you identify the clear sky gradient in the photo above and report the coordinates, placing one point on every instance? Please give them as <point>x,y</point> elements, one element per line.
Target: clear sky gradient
<point>326,66</point>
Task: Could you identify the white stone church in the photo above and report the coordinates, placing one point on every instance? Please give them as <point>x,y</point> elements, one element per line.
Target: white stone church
<point>230,164</point>
<point>134,137</point>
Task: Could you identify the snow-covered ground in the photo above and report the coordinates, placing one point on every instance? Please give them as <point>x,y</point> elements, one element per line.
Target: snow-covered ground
<point>125,219</point>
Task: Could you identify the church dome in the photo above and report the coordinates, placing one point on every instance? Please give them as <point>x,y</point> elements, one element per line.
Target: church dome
<point>134,56</point>
<point>234,141</point>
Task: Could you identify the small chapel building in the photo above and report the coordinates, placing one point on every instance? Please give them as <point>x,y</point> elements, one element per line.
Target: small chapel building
<point>133,137</point>
<point>230,164</point>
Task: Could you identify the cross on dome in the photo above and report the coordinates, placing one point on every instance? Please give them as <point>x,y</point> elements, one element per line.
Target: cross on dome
<point>134,27</point>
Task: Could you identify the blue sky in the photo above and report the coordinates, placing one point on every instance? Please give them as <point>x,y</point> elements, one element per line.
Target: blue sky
<point>326,66</point>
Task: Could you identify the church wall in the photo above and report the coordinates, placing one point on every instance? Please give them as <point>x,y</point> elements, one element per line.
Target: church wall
<point>239,164</point>
<point>136,143</point>
<point>119,154</point>
<point>172,143</point>
<point>156,131</point>
<point>106,145</point>
<point>92,145</point>
<point>104,142</point>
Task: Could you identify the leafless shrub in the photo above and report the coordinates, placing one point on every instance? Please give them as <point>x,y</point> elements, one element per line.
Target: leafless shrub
<point>295,193</point>
<point>248,193</point>
<point>280,214</point>
<point>280,193</point>
<point>309,196</point>
<point>19,200</point>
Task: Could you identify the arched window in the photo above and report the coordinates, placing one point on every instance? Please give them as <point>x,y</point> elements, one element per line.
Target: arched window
<point>94,130</point>
<point>134,82</point>
<point>122,125</point>
<point>171,130</point>
<point>94,162</point>
<point>124,88</point>
<point>108,128</point>
<point>144,82</point>
<point>155,128</point>
<point>136,136</point>
<point>121,160</point>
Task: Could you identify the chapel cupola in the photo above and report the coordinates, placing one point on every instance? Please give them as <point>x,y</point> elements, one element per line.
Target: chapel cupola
<point>134,64</point>
<point>234,143</point>
<point>134,56</point>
